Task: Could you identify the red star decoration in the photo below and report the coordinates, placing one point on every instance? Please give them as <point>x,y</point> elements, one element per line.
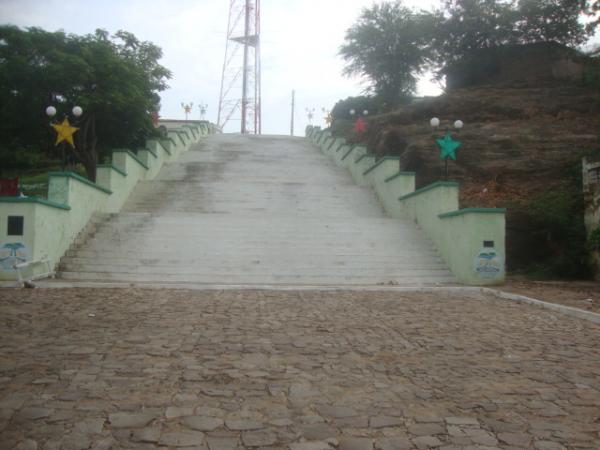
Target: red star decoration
<point>360,126</point>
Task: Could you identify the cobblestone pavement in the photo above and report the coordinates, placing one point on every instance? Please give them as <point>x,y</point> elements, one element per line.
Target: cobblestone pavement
<point>137,369</point>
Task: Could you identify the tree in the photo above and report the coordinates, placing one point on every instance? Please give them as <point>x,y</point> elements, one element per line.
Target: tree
<point>389,45</point>
<point>472,25</point>
<point>115,80</point>
<point>392,45</point>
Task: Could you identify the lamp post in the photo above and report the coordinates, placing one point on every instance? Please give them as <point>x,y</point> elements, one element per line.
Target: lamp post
<point>64,130</point>
<point>187,109</point>
<point>360,125</point>
<point>310,113</point>
<point>202,107</point>
<point>328,117</point>
<point>447,145</point>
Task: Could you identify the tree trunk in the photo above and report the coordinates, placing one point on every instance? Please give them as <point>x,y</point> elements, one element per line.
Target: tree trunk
<point>85,146</point>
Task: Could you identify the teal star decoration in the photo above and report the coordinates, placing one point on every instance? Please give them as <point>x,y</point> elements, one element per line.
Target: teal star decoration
<point>448,146</point>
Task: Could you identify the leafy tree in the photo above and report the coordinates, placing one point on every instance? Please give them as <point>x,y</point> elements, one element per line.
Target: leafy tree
<point>471,25</point>
<point>341,110</point>
<point>115,80</point>
<point>389,45</point>
<point>551,20</point>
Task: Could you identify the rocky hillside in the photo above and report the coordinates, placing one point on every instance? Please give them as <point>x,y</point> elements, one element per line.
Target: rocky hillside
<point>519,143</point>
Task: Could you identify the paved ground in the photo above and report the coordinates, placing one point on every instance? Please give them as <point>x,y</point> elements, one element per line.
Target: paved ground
<point>577,294</point>
<point>309,370</point>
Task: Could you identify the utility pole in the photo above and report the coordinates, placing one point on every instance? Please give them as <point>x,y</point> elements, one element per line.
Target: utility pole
<point>293,108</point>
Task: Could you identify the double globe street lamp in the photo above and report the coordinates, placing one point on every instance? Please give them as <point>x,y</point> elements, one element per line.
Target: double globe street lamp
<point>64,130</point>
<point>360,125</point>
<point>447,145</point>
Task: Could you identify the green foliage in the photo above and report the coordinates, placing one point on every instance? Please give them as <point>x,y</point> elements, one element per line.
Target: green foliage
<point>341,110</point>
<point>473,24</point>
<point>389,44</point>
<point>558,231</point>
<point>594,240</point>
<point>115,79</point>
<point>481,24</point>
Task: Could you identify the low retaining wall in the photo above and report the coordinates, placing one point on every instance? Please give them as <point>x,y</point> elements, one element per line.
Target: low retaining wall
<point>470,241</point>
<point>33,228</point>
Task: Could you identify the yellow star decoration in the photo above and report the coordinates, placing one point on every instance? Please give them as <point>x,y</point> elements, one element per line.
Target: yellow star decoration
<point>64,132</point>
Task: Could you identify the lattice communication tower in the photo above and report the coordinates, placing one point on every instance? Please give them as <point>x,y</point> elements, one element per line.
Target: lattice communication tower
<point>240,81</point>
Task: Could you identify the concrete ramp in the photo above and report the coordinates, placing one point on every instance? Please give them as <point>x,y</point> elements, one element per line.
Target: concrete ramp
<point>255,210</point>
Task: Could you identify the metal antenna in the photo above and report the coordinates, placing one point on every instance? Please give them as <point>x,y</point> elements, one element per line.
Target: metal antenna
<point>241,77</point>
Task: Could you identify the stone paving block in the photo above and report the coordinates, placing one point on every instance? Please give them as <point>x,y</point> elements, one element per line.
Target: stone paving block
<point>352,422</point>
<point>281,422</point>
<point>33,413</point>
<point>481,437</point>
<point>130,420</point>
<point>202,423</point>
<point>516,439</point>
<point>90,426</point>
<point>319,445</point>
<point>385,421</point>
<point>182,439</point>
<point>243,425</point>
<point>351,443</point>
<point>150,435</point>
<point>393,443</point>
<point>221,443</point>
<point>549,445</point>
<point>462,421</point>
<point>173,412</point>
<point>76,441</point>
<point>335,411</point>
<point>258,438</point>
<point>426,429</point>
<point>318,432</point>
<point>28,444</point>
<point>426,442</point>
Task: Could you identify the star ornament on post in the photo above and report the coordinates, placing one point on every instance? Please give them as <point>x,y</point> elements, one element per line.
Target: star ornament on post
<point>448,146</point>
<point>64,132</point>
<point>360,126</point>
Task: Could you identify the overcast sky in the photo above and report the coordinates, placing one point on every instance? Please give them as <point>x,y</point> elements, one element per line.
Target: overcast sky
<point>300,42</point>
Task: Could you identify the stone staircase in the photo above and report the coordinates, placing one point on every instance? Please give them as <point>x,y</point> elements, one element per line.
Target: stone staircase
<point>254,211</point>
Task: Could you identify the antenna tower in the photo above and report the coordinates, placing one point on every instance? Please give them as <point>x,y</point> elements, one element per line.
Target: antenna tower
<point>240,81</point>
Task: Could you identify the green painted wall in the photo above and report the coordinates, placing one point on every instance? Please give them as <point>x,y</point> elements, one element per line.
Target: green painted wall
<point>389,189</point>
<point>360,166</point>
<point>462,239</point>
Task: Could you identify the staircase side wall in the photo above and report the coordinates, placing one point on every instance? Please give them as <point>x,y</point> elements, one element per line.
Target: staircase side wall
<point>470,241</point>
<point>50,226</point>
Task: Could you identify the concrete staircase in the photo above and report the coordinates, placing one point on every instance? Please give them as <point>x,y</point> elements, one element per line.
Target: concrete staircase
<point>254,210</point>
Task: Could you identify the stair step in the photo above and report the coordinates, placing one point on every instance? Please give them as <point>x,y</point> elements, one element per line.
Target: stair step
<point>253,210</point>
